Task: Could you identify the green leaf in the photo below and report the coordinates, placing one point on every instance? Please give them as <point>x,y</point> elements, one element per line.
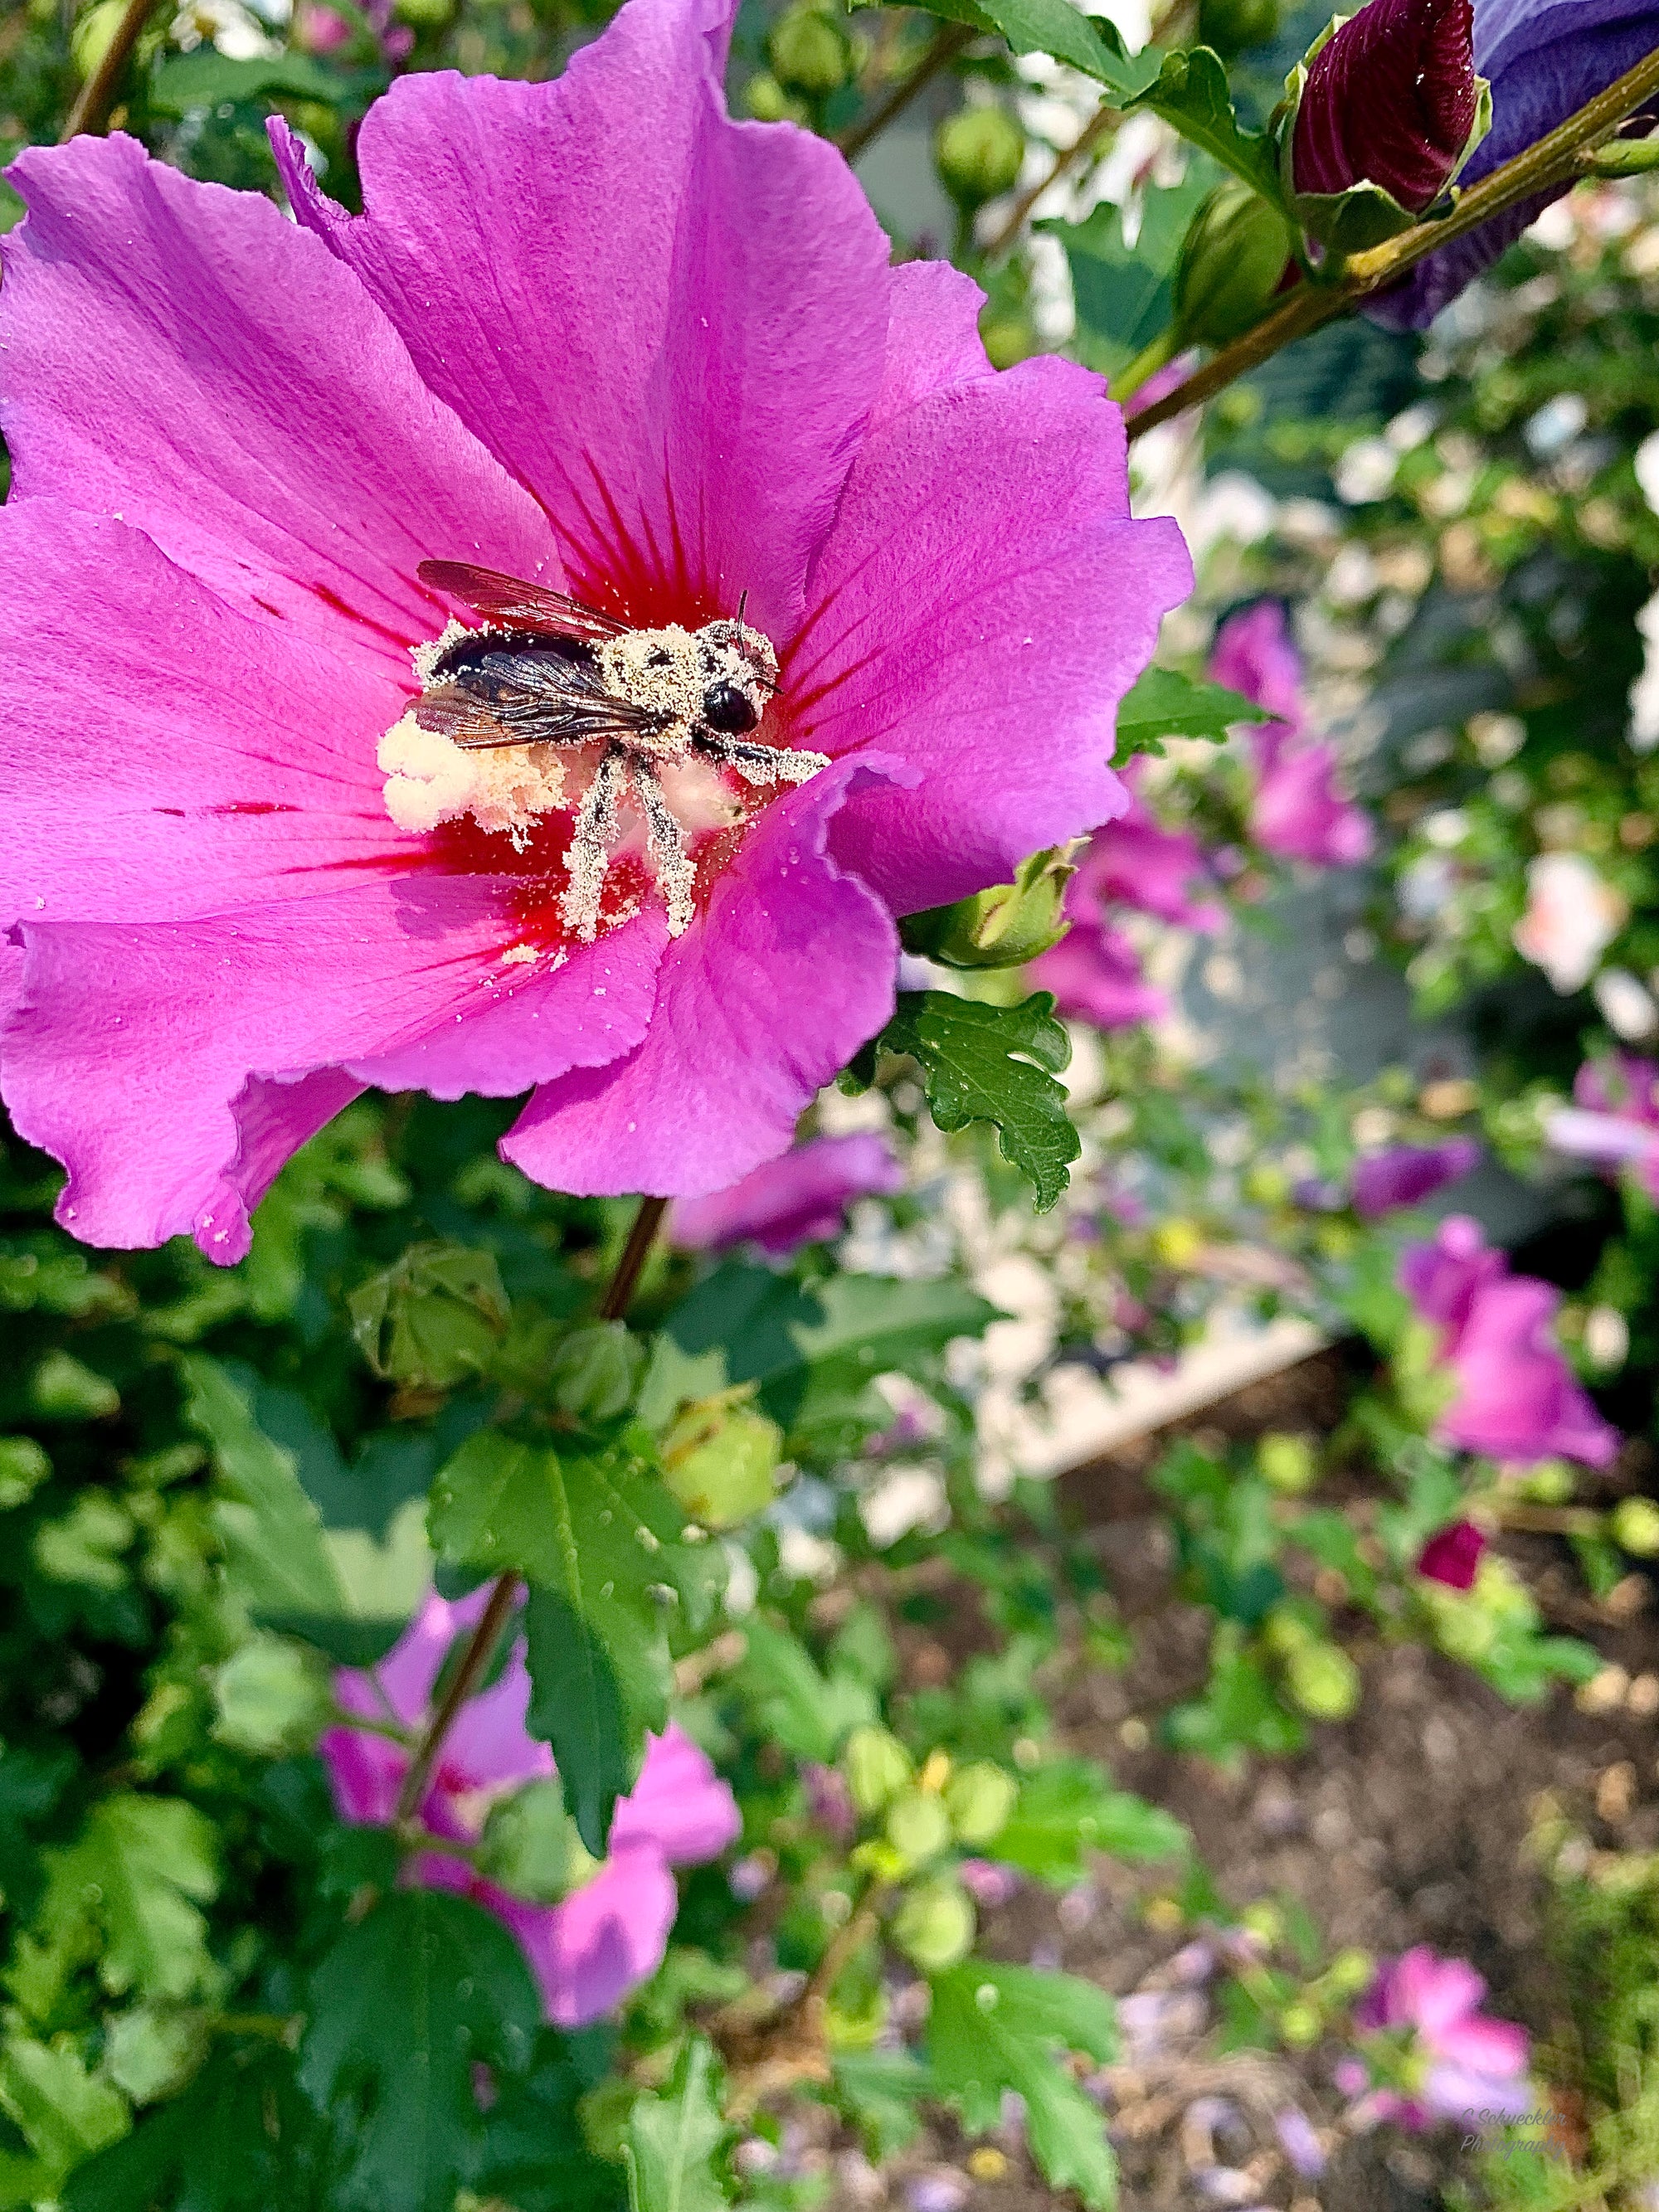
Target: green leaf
<point>240,2138</point>
<point>402,2009</point>
<point>1191,93</point>
<point>1123,293</point>
<point>208,79</point>
<point>64,2114</point>
<point>995,2027</point>
<point>809,1714</point>
<point>576,1706</point>
<point>997,1063</point>
<point>137,1873</point>
<point>673,2140</point>
<point>1162,704</point>
<point>1088,43</point>
<point>433,1319</point>
<point>1069,1810</point>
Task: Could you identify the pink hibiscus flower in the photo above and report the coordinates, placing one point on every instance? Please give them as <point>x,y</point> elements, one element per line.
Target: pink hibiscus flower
<point>1517,1399</point>
<point>1297,810</point>
<point>1468,2067</point>
<point>1405,1175</point>
<point>797,1199</point>
<point>1614,1121</point>
<point>596,337</point>
<point>1094,973</point>
<point>588,1950</point>
<point>1135,861</point>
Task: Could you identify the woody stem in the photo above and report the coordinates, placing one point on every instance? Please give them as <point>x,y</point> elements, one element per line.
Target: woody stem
<point>97,95</point>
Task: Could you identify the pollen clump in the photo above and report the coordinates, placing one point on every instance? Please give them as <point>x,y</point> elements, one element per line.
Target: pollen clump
<point>430,779</point>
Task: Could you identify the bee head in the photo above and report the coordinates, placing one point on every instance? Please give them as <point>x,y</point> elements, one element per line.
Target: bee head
<point>741,673</point>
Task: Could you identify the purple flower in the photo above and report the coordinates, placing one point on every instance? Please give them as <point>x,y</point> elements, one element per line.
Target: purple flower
<point>988,1883</point>
<point>1094,973</point>
<point>1544,59</point>
<point>828,1800</point>
<point>1407,1174</point>
<point>593,334</point>
<point>1389,100</point>
<point>587,1951</point>
<point>1298,2141</point>
<point>1135,861</point>
<point>1452,1555</point>
<point>1298,811</point>
<point>801,1199</point>
<point>1469,2065</point>
<point>1517,1397</point>
<point>1614,1120</point>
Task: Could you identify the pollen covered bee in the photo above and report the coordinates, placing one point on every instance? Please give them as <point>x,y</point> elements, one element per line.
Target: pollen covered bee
<point>546,686</point>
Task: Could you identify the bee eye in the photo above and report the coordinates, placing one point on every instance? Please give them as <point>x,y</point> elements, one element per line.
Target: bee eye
<point>725,708</point>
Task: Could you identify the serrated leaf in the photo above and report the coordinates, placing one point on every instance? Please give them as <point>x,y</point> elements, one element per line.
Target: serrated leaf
<point>240,2138</point>
<point>537,2155</point>
<point>1092,44</point>
<point>808,1713</point>
<point>137,1873</point>
<point>64,2114</point>
<point>977,1065</point>
<point>576,1706</point>
<point>401,2011</point>
<point>1192,94</point>
<point>1162,703</point>
<point>433,1319</point>
<point>208,79</point>
<point>673,2140</point>
<point>1123,294</point>
<point>1069,1810</point>
<point>994,2028</point>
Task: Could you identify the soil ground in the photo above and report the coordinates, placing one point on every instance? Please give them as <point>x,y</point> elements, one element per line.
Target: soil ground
<point>1406,1825</point>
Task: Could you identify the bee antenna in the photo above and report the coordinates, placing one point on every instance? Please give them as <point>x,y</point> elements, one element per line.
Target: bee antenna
<point>743,601</point>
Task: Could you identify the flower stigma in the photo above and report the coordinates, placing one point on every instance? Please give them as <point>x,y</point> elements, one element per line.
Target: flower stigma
<point>642,739</point>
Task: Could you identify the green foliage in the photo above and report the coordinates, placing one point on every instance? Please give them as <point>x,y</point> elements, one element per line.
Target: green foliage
<point>1191,93</point>
<point>1124,299</point>
<point>1162,703</point>
<point>1088,43</point>
<point>674,2139</point>
<point>1068,1811</point>
<point>434,1318</point>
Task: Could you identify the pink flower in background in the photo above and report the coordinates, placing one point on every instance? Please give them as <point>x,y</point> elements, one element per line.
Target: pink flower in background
<point>801,1199</point>
<point>588,1950</point>
<point>1573,914</point>
<point>1407,1174</point>
<point>658,368</point>
<point>1094,973</point>
<point>1517,1399</point>
<point>1614,1119</point>
<point>1452,1555</point>
<point>1297,810</point>
<point>1135,861</point>
<point>1468,2065</point>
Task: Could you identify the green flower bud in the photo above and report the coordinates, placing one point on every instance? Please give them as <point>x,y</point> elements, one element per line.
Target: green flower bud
<point>765,99</point>
<point>272,1697</point>
<point>1348,1973</point>
<point>1230,265</point>
<point>809,52</point>
<point>23,1467</point>
<point>1636,1526</point>
<point>934,1926</point>
<point>978,152</point>
<point>979,1799</point>
<point>1285,1632</point>
<point>1008,339</point>
<point>1300,2025</point>
<point>1231,26</point>
<point>876,1766</point>
<point>721,1459</point>
<point>918,1825</point>
<point>94,34</point>
<point>1003,927</point>
<point>526,1845</point>
<point>1323,1681</point>
<point>432,1319</point>
<point>596,1370</point>
<point>1287,1464</point>
<point>63,1389</point>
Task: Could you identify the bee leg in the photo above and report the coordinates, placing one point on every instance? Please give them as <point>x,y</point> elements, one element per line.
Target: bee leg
<point>761,763</point>
<point>676,877</point>
<point>591,841</point>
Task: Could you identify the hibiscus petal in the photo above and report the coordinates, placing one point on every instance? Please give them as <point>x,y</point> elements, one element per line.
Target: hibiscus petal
<point>490,1746</point>
<point>679,1806</point>
<point>162,755</point>
<point>990,520</point>
<point>588,1951</point>
<point>933,336</point>
<point>128,1054</point>
<point>678,367</point>
<point>180,355</point>
<point>772,990</point>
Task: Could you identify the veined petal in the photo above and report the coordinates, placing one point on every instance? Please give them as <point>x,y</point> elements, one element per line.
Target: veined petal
<point>179,356</point>
<point>670,325</point>
<point>772,989</point>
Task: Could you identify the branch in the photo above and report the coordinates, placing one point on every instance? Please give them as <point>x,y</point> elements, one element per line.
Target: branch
<point>1557,159</point>
<point>942,49</point>
<point>97,95</point>
<point>1100,124</point>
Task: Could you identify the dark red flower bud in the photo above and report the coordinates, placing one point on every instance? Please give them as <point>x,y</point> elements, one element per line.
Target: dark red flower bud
<point>1453,1556</point>
<point>1391,99</point>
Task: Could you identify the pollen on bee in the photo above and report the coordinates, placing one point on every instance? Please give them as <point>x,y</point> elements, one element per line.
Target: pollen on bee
<point>430,779</point>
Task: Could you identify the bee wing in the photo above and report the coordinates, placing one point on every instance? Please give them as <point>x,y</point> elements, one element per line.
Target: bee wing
<point>534,713</point>
<point>518,606</point>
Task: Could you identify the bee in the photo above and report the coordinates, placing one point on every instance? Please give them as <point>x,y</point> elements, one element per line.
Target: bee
<point>543,669</point>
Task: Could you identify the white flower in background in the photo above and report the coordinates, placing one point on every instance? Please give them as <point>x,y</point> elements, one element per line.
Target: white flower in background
<point>1645,692</point>
<point>1627,1006</point>
<point>1572,918</point>
<point>1647,469</point>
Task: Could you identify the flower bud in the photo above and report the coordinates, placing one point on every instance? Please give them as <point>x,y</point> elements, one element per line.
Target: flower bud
<point>978,152</point>
<point>432,1319</point>
<point>271,1696</point>
<point>1231,26</point>
<point>1232,263</point>
<point>918,1826</point>
<point>721,1461</point>
<point>809,52</point>
<point>1003,927</point>
<point>596,1370</point>
<point>934,1926</point>
<point>979,1799</point>
<point>876,1766</point>
<point>1287,1464</point>
<point>1390,99</point>
<point>765,99</point>
<point>1323,1681</point>
<point>1636,1526</point>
